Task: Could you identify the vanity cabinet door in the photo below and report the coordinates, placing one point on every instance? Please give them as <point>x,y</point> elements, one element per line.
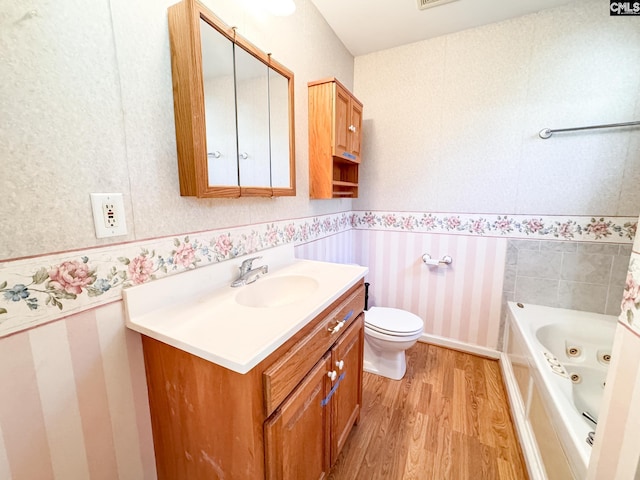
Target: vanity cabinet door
<point>346,360</point>
<point>297,435</point>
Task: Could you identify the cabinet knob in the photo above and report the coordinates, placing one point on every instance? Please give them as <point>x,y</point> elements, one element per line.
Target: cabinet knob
<point>352,128</point>
<point>340,365</point>
<point>332,375</point>
<point>244,155</point>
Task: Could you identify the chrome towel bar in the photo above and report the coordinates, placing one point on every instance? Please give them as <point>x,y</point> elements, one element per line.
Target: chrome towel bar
<point>547,132</point>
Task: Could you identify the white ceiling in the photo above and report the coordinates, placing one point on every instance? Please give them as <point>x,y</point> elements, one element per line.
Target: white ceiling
<point>366,26</point>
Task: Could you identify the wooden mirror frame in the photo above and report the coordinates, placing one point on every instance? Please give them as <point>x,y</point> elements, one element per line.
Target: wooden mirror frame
<point>189,107</point>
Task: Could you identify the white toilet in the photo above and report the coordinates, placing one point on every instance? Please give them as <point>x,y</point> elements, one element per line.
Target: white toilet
<point>388,332</point>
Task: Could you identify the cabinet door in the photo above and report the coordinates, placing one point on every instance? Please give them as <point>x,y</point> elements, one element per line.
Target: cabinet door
<point>355,129</point>
<point>346,359</point>
<point>342,116</point>
<point>297,435</point>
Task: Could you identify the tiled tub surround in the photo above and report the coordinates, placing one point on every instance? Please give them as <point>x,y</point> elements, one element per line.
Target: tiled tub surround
<point>583,276</point>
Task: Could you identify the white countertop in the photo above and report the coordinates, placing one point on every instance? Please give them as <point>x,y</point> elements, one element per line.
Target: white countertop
<point>210,323</point>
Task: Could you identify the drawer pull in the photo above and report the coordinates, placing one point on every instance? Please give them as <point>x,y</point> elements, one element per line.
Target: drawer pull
<point>337,328</point>
<point>341,323</point>
<point>332,375</point>
<point>340,364</point>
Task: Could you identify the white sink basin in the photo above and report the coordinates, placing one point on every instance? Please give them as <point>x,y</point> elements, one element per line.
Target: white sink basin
<point>276,291</point>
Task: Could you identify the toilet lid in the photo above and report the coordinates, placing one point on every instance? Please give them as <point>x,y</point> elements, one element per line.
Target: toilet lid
<point>393,321</point>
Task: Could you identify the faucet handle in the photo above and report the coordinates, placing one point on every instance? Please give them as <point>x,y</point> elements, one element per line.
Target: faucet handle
<point>248,263</point>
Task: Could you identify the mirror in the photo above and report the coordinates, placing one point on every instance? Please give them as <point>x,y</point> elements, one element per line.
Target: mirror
<point>280,133</point>
<point>233,110</point>
<point>252,93</point>
<point>219,107</point>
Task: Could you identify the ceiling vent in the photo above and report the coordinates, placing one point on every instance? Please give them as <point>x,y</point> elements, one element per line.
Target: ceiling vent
<point>424,4</point>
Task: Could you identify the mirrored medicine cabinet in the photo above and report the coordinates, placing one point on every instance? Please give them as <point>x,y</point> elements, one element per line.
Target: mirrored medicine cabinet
<point>233,108</point>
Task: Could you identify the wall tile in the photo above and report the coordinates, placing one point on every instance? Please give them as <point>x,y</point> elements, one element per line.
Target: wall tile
<point>526,244</point>
<point>590,280</point>
<point>625,249</point>
<point>510,273</point>
<point>601,248</point>
<point>582,296</point>
<point>508,297</point>
<point>550,246</point>
<point>614,300</point>
<point>619,270</point>
<point>512,253</point>
<point>539,264</point>
<point>537,291</point>
<point>589,268</point>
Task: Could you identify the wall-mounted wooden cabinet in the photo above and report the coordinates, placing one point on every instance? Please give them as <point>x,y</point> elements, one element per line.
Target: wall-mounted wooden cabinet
<point>335,137</point>
<point>233,110</point>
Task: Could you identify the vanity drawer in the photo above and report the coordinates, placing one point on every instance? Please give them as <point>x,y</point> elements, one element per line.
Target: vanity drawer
<point>283,376</point>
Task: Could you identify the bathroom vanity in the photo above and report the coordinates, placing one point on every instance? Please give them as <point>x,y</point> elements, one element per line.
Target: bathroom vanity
<point>253,392</point>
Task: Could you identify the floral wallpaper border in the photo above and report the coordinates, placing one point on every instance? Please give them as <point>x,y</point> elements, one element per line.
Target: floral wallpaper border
<point>41,289</point>
<point>602,229</point>
<point>630,315</point>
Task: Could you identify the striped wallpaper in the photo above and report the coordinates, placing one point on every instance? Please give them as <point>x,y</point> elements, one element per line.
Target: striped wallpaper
<point>338,248</point>
<point>74,401</point>
<point>461,301</point>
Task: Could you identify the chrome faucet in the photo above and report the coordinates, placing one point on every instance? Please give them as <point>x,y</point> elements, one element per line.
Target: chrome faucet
<point>248,274</point>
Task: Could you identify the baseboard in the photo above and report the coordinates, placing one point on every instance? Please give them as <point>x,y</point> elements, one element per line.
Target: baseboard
<point>461,346</point>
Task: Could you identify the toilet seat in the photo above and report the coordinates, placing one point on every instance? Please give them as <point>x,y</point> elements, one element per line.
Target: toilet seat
<point>393,322</point>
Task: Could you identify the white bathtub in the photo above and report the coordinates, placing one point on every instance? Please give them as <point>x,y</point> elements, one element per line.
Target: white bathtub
<point>545,348</point>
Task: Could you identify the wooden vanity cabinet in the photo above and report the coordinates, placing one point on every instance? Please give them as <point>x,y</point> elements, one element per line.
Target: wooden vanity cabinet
<point>335,138</point>
<point>284,419</point>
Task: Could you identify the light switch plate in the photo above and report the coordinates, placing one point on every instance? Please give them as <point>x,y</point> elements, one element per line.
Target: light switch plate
<point>108,214</point>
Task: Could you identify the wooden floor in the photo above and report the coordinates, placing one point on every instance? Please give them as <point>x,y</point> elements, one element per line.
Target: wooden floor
<point>448,418</point>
